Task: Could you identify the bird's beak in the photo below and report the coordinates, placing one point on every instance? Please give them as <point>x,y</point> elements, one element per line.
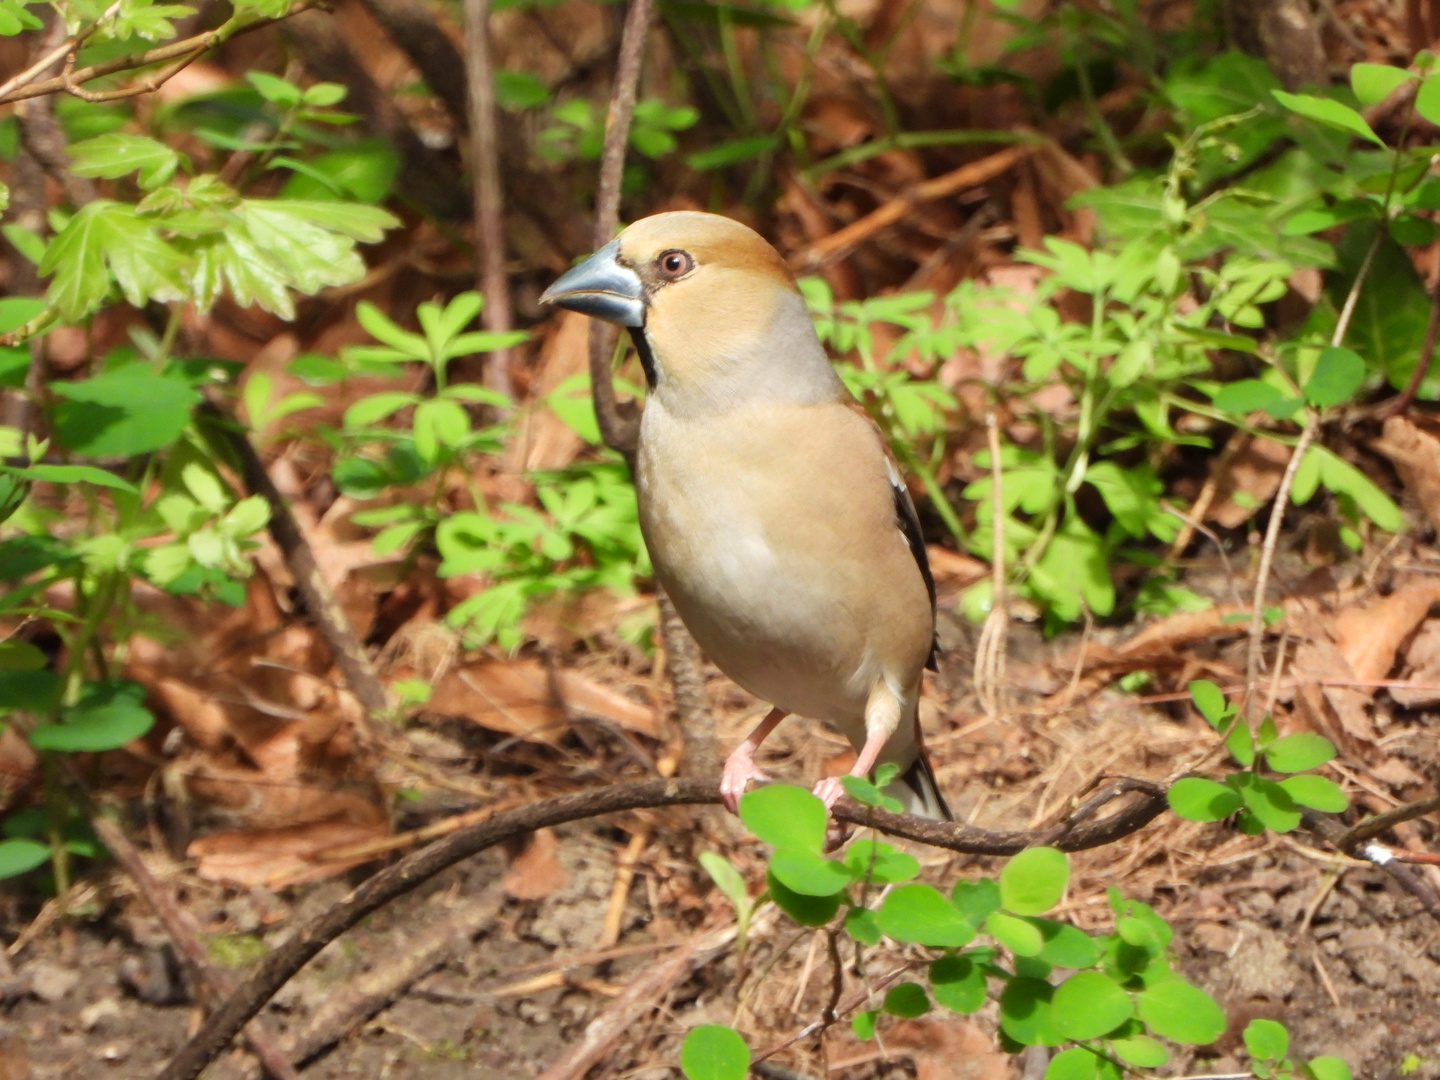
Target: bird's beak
<point>601,287</point>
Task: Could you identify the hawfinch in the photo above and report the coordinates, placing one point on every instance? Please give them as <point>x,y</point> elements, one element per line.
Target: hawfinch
<point>775,515</point>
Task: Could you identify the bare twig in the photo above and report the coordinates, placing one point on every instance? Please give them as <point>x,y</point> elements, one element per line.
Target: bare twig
<point>489,194</point>
<point>214,982</point>
<point>1378,856</point>
<point>315,592</point>
<point>53,55</point>
<point>1373,827</point>
<point>282,963</point>
<point>129,62</point>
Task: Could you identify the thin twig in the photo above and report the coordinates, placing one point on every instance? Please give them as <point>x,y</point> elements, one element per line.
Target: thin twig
<point>214,982</point>
<point>1373,827</point>
<point>60,51</point>
<point>489,193</point>
<point>280,965</point>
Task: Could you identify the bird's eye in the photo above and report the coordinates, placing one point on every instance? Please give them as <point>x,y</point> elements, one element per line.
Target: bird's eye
<point>674,264</point>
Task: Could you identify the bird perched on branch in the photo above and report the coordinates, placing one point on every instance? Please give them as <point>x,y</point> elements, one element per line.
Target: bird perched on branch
<point>775,515</point>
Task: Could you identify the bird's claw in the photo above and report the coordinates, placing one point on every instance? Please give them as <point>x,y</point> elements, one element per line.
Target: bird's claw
<point>829,792</point>
<point>740,769</point>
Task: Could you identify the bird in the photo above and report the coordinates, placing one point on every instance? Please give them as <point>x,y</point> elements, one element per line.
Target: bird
<point>776,517</point>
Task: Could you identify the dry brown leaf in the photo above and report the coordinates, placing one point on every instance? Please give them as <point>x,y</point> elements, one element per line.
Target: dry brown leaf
<point>1368,636</point>
<point>1422,662</point>
<point>537,871</point>
<point>948,1049</point>
<point>542,440</point>
<point>277,858</point>
<point>1339,713</point>
<point>953,569</point>
<point>1416,457</point>
<point>520,697</point>
<point>1249,482</point>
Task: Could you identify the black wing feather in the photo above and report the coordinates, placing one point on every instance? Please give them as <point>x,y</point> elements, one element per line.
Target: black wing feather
<point>909,524</point>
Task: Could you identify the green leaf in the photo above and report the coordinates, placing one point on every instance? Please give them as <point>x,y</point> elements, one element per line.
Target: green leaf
<point>921,914</point>
<point>958,983</point>
<point>783,815</point>
<point>1298,752</point>
<point>867,794</point>
<point>275,90</point>
<point>74,474</point>
<point>16,311</point>
<point>1077,1063</point>
<point>1182,1013</point>
<point>1140,1050</point>
<point>880,862</point>
<point>1065,945</point>
<point>861,924</point>
<point>1373,83</point>
<point>727,879</point>
<point>1197,799</point>
<point>1328,112</point>
<point>805,910</point>
<point>116,154</point>
<point>122,413</point>
<point>1427,99</point>
<point>863,1024</point>
<point>103,239</point>
<point>21,856</point>
<point>1338,374</point>
<point>1018,935</point>
<point>976,899</point>
<point>440,424</point>
<point>1210,701</point>
<point>1090,1004</point>
<point>907,1000</point>
<point>805,872</point>
<point>1268,801</point>
<point>1246,396</point>
<point>1345,479</point>
<point>1316,792</point>
<point>1267,1040</point>
<point>375,407</point>
<point>33,691</point>
<point>1026,1015</point>
<point>1034,880</point>
<point>1328,1067</point>
<point>108,715</point>
<point>732,152</point>
<point>714,1052</point>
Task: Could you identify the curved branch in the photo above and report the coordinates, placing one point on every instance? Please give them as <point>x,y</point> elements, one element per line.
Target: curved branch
<point>410,872</point>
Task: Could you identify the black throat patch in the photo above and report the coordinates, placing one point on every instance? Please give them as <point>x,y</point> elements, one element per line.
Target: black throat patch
<point>647,355</point>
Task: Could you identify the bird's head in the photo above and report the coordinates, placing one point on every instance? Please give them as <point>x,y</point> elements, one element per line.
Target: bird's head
<point>713,309</point>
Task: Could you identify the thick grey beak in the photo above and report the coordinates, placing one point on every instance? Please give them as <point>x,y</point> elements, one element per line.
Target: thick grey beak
<point>601,288</point>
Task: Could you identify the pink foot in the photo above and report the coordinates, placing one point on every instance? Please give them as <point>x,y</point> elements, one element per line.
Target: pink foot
<point>740,769</point>
<point>829,791</point>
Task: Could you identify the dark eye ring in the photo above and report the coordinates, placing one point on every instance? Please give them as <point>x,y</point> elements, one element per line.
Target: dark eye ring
<point>675,263</point>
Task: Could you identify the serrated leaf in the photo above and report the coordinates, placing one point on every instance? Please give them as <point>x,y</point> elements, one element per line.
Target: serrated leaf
<point>117,154</point>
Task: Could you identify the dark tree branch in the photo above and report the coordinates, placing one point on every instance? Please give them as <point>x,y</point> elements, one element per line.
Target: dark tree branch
<point>489,194</point>
<point>413,28</point>
<point>412,871</point>
<point>1372,827</point>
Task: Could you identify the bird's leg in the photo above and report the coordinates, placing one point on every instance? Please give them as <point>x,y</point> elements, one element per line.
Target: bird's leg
<point>740,767</point>
<point>882,718</point>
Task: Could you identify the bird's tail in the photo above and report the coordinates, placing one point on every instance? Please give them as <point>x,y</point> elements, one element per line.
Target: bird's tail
<point>917,789</point>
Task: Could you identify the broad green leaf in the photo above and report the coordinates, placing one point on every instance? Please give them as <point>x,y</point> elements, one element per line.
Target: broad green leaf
<point>1316,792</point>
<point>1427,99</point>
<point>33,691</point>
<point>1328,112</point>
<point>1338,374</point>
<point>805,910</point>
<point>101,725</point>
<point>919,913</point>
<point>1298,752</point>
<point>1182,1013</point>
<point>118,154</point>
<point>1090,1004</point>
<point>714,1052</point>
<point>1210,701</point>
<point>958,983</point>
<point>863,1023</point>
<point>16,311</point>
<point>1065,945</point>
<point>1268,801</point>
<point>803,871</point>
<point>861,924</point>
<point>20,856</point>
<point>1016,934</point>
<point>880,862</point>
<point>1267,1040</point>
<point>1077,1063</point>
<point>103,239</point>
<point>1373,83</point>
<point>122,413</point>
<point>1034,880</point>
<point>783,815</point>
<point>1140,1050</point>
<point>1198,799</point>
<point>1246,396</point>
<point>976,899</point>
<point>1328,1067</point>
<point>907,1000</point>
<point>1026,1015</point>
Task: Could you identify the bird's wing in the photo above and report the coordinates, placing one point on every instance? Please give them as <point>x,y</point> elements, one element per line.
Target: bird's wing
<point>906,520</point>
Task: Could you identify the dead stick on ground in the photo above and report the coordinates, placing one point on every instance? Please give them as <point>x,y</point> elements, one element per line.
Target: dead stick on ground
<point>420,866</point>
<point>489,194</point>
<point>214,983</point>
<point>624,876</point>
<point>842,241</point>
<point>319,599</point>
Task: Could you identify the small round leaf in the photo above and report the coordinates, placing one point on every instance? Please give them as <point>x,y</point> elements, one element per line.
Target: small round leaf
<point>1316,792</point>
<point>1016,934</point>
<point>1267,1040</point>
<point>783,815</point>
<point>1175,1010</point>
<point>1065,945</point>
<point>921,914</point>
<point>1197,799</point>
<point>880,862</point>
<point>1077,1063</point>
<point>958,983</point>
<point>908,1000</point>
<point>1088,1005</point>
<point>1025,1013</point>
<point>1338,373</point>
<point>1140,1050</point>
<point>1033,881</point>
<point>1328,1068</point>
<point>805,872</point>
<point>1298,752</point>
<point>806,910</point>
<point>714,1052</point>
